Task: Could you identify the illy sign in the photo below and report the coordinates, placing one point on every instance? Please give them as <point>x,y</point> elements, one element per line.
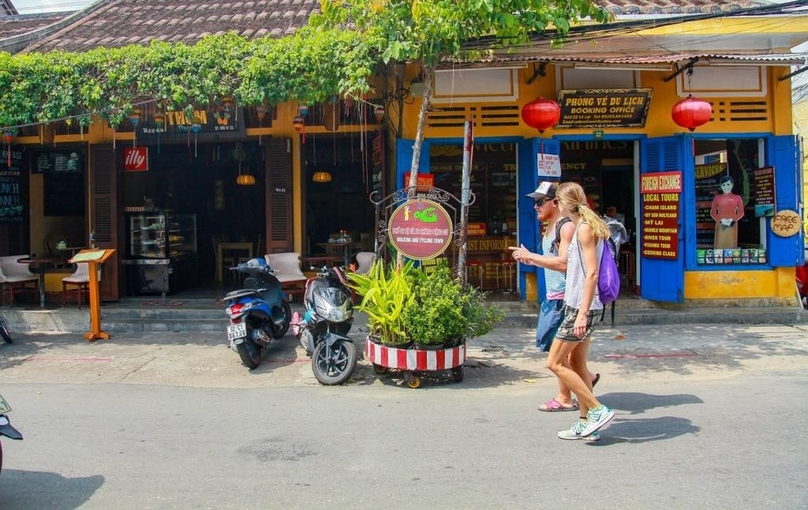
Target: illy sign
<point>136,159</point>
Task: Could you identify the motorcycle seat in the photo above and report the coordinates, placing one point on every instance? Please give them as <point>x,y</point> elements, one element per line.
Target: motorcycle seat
<point>243,293</point>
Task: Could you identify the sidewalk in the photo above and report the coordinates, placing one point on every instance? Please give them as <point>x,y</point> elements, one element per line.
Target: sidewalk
<point>505,358</point>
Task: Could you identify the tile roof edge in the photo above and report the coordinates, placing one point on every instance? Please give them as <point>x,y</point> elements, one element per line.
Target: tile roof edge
<point>68,21</point>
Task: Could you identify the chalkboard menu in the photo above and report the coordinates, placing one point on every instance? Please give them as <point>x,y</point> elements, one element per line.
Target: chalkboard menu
<point>707,179</point>
<point>64,194</point>
<point>11,198</point>
<point>59,162</point>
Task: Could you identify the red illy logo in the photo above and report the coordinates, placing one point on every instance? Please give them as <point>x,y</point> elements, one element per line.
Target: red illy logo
<point>136,159</point>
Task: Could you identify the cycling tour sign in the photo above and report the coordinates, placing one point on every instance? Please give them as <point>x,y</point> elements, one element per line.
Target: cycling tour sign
<point>420,229</point>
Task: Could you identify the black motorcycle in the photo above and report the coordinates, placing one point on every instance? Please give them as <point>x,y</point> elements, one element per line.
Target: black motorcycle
<point>324,327</point>
<point>258,312</point>
<point>5,427</point>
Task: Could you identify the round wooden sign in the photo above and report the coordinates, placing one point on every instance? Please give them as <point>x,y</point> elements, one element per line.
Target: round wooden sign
<point>786,223</point>
<point>420,229</point>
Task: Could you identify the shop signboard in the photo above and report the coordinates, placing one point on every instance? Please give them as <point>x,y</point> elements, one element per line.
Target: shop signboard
<point>11,200</point>
<point>59,161</point>
<point>225,122</point>
<point>136,159</point>
<point>598,108</point>
<point>549,166</point>
<point>420,229</point>
<point>424,182</point>
<point>765,201</point>
<point>660,214</point>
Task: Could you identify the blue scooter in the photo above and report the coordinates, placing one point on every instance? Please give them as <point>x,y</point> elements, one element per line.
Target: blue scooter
<point>258,312</point>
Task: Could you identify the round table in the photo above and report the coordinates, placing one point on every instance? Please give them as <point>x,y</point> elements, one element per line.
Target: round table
<point>41,262</point>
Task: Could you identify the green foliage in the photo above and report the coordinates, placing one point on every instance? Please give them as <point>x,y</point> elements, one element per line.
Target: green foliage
<point>406,304</point>
<point>385,294</point>
<point>310,65</point>
<point>443,310</point>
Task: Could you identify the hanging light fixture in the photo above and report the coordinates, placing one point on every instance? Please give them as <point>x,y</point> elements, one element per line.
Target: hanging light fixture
<point>245,180</point>
<point>691,112</point>
<point>321,176</point>
<point>541,113</point>
<point>378,113</point>
<point>8,134</point>
<point>134,119</point>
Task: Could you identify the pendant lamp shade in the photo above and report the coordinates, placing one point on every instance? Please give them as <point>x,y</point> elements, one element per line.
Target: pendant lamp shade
<point>321,176</point>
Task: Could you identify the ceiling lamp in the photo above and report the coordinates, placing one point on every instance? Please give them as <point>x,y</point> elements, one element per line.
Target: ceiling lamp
<point>321,176</point>
<point>245,180</point>
<point>691,113</point>
<point>541,113</point>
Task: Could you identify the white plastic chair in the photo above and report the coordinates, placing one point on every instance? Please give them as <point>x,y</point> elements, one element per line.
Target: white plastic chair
<point>79,279</point>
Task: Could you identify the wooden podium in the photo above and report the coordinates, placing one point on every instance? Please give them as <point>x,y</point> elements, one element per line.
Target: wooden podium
<point>93,257</point>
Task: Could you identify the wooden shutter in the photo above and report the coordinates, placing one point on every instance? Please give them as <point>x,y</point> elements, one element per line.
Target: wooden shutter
<point>105,217</point>
<point>280,235</point>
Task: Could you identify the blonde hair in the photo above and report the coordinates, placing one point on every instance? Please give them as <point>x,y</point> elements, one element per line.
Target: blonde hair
<point>571,195</point>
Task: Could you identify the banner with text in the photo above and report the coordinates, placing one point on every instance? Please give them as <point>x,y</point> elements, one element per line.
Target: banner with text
<point>660,214</point>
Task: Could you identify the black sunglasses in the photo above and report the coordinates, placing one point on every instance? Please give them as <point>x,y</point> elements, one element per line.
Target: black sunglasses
<point>542,200</point>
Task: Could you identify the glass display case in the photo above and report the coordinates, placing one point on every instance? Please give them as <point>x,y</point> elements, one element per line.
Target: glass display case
<point>161,235</point>
<point>161,252</point>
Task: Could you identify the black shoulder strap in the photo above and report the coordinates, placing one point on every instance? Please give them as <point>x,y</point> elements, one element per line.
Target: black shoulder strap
<point>557,241</point>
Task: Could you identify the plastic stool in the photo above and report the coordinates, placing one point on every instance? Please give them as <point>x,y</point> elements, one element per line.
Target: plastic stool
<point>479,267</point>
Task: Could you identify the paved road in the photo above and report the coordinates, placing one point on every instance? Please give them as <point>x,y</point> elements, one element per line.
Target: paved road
<point>703,418</point>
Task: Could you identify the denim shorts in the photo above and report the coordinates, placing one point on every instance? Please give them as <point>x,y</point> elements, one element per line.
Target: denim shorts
<point>566,331</point>
<point>551,314</point>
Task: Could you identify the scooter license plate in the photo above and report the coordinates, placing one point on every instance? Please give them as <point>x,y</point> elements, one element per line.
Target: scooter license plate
<point>235,331</point>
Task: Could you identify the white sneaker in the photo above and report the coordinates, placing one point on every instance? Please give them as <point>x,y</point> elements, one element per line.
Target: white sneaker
<point>574,432</point>
<point>596,418</point>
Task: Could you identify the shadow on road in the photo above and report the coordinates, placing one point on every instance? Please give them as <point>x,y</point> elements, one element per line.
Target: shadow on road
<point>643,430</point>
<point>38,489</point>
<point>638,403</point>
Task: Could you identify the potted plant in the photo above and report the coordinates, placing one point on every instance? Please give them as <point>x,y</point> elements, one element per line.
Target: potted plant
<point>406,305</point>
<point>385,295</point>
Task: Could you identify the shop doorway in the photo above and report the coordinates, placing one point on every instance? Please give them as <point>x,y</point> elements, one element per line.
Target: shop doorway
<point>339,172</point>
<point>605,169</point>
<point>218,190</point>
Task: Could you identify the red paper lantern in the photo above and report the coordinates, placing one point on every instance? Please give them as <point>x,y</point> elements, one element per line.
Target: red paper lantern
<point>691,113</point>
<point>541,113</point>
<point>298,123</point>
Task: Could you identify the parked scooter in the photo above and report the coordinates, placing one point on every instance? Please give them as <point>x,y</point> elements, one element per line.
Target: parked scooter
<point>324,327</point>
<point>5,427</point>
<point>258,312</point>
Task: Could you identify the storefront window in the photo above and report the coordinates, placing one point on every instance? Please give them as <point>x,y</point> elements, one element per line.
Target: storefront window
<point>493,181</point>
<point>734,192</point>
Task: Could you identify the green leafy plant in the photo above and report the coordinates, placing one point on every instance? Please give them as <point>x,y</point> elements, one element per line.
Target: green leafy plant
<point>446,312</point>
<point>405,304</point>
<point>385,294</point>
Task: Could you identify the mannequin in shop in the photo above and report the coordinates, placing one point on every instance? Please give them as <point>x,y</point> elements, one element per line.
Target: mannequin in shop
<point>726,210</point>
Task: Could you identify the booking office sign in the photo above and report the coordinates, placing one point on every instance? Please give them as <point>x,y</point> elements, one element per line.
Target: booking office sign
<point>420,229</point>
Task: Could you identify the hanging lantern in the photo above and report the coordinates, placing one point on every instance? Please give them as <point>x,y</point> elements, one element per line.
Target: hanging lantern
<point>245,180</point>
<point>261,112</point>
<point>691,113</point>
<point>159,120</point>
<point>321,176</point>
<point>303,110</point>
<point>541,113</point>
<point>378,112</point>
<point>134,117</point>
<point>195,127</point>
<point>8,135</point>
<point>227,103</point>
<point>298,123</point>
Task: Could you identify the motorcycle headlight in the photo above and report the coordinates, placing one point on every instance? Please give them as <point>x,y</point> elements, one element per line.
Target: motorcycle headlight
<point>330,312</point>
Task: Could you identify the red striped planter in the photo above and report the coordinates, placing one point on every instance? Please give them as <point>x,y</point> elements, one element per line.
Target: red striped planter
<point>415,359</point>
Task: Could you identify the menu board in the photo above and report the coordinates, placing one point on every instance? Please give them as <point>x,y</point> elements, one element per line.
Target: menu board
<point>707,179</point>
<point>765,202</point>
<point>59,162</point>
<point>660,214</point>
<point>11,199</point>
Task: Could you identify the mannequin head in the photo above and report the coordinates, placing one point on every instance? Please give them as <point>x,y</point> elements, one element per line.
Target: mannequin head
<point>726,184</point>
